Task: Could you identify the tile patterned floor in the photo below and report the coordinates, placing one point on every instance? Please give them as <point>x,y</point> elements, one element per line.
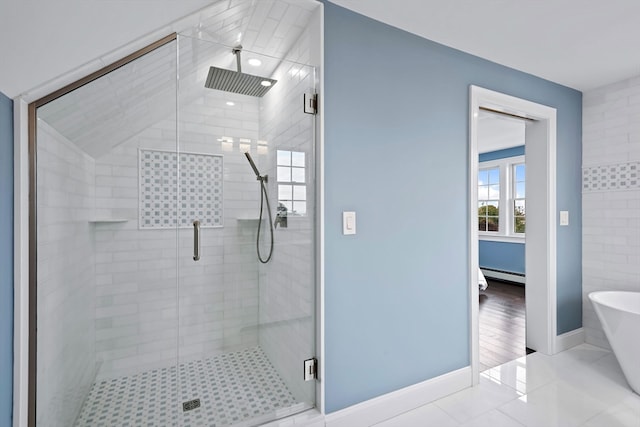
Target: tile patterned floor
<point>232,388</point>
<point>580,387</point>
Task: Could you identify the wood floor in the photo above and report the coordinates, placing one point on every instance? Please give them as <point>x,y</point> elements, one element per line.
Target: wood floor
<point>502,324</point>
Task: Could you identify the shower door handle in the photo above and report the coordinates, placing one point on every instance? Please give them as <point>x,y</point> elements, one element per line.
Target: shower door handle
<point>196,240</point>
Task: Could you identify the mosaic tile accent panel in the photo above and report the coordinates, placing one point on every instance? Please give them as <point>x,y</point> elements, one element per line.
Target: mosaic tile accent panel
<point>199,192</point>
<point>232,388</point>
<point>623,176</point>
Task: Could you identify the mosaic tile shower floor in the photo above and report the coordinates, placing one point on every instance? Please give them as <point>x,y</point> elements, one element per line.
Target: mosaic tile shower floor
<point>231,387</point>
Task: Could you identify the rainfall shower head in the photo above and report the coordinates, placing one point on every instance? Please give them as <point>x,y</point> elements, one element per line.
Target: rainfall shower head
<point>237,81</point>
<point>253,165</point>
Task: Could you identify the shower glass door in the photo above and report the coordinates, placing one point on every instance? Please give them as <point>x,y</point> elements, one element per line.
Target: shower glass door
<point>244,327</point>
<point>152,304</point>
<point>107,308</point>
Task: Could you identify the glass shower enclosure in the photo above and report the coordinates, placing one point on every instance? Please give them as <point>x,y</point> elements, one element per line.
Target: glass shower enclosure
<point>152,305</point>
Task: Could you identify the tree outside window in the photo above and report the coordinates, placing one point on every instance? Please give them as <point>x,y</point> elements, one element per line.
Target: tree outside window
<point>519,211</point>
<point>489,199</point>
<point>501,198</point>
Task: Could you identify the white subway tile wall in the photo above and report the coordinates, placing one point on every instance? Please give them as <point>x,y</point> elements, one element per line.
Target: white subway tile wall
<point>611,196</point>
<point>145,284</point>
<point>66,283</point>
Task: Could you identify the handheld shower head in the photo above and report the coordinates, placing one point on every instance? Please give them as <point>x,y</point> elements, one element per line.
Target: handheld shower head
<point>264,198</point>
<point>253,165</point>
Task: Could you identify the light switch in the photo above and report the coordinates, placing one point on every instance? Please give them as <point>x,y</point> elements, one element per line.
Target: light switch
<point>564,217</point>
<point>348,223</point>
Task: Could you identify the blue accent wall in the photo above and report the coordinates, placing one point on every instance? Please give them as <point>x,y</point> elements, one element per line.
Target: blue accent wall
<point>504,256</point>
<point>6,260</point>
<point>502,154</point>
<point>396,152</point>
<point>507,256</point>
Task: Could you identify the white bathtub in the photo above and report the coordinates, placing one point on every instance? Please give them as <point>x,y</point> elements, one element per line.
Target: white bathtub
<point>619,313</point>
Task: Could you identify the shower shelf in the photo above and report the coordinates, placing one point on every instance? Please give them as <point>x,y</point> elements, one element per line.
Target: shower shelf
<point>107,220</point>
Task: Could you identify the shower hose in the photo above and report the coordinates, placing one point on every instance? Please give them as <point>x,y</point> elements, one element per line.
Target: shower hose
<point>264,197</point>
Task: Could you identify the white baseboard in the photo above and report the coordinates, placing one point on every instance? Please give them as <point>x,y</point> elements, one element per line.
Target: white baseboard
<point>392,404</point>
<point>569,339</point>
<point>501,275</point>
<point>310,418</point>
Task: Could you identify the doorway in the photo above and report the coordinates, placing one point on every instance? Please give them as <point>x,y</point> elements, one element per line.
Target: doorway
<point>540,256</point>
<point>502,237</point>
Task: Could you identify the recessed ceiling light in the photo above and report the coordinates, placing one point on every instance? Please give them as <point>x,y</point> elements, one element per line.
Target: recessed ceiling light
<point>231,103</point>
<point>266,83</point>
<point>255,62</point>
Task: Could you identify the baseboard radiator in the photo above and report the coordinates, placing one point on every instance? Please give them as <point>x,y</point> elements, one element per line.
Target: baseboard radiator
<point>509,276</point>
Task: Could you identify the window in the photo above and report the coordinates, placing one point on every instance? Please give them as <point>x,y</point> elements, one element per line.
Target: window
<point>519,218</point>
<point>489,199</point>
<point>501,198</point>
<point>292,188</point>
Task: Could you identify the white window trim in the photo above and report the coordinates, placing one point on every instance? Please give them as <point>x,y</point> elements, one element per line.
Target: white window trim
<point>514,199</point>
<point>506,220</point>
<point>293,184</point>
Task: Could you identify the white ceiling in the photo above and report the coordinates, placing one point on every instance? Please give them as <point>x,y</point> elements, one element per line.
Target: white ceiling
<point>582,44</point>
<point>41,40</point>
<point>578,43</point>
<point>498,132</point>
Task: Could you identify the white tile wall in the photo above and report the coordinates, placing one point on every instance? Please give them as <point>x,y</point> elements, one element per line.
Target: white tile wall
<point>610,201</point>
<point>267,26</point>
<point>66,283</point>
<point>136,272</point>
<point>287,283</point>
<point>141,275</point>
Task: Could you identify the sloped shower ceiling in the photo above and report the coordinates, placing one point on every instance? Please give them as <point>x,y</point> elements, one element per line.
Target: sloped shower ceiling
<point>110,110</point>
<point>103,114</point>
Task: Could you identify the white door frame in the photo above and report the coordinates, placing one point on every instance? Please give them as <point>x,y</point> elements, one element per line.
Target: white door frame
<point>540,259</point>
<point>20,264</point>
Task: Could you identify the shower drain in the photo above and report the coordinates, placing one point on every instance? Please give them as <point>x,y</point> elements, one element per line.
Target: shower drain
<point>190,405</point>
